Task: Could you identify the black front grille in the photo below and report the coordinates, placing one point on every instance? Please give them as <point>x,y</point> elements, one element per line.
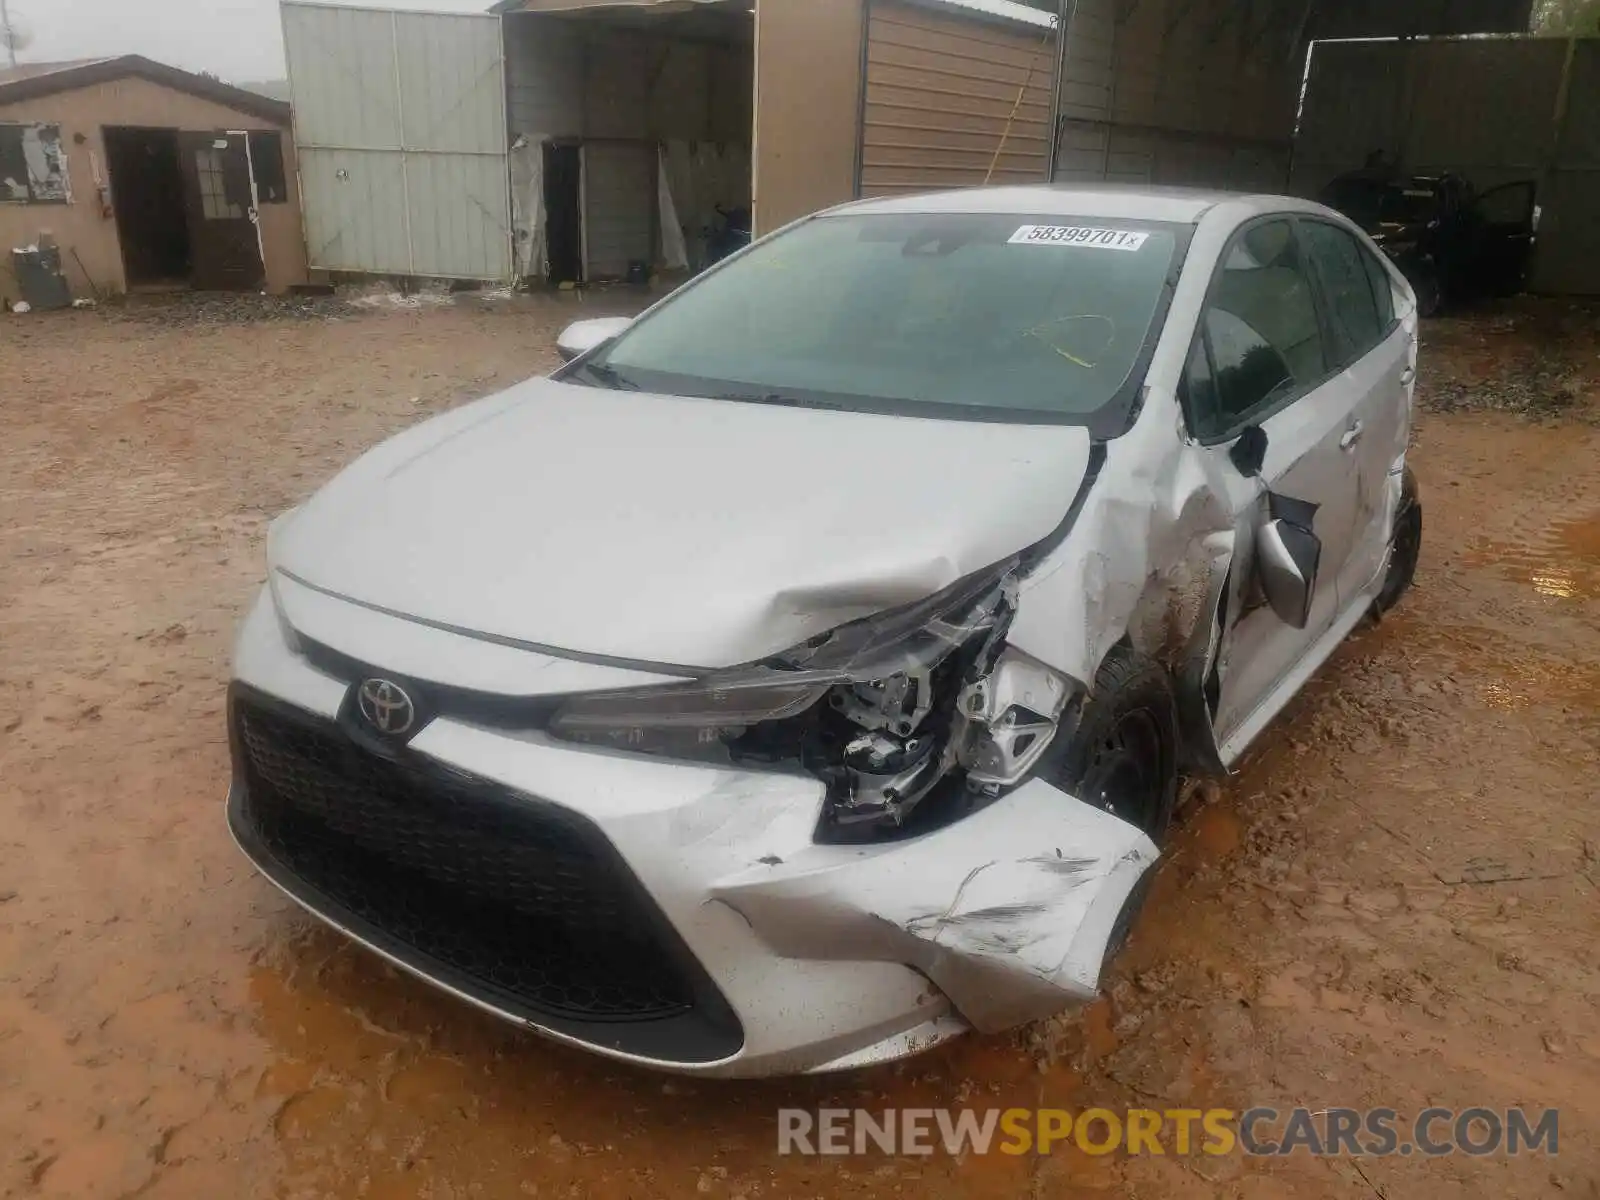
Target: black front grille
<point>502,896</point>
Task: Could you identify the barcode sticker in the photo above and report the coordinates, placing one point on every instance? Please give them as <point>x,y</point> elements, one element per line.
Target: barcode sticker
<point>1078,235</point>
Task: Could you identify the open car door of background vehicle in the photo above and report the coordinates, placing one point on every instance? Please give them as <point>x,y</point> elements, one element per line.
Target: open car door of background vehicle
<point>1506,233</point>
<point>220,198</point>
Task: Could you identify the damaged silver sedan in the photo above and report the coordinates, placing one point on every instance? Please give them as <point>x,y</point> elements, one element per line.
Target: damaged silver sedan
<point>803,674</point>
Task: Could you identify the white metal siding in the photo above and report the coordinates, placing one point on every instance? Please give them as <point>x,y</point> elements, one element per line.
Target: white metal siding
<point>400,123</point>
<point>619,198</point>
<point>1180,91</point>
<point>544,69</point>
<point>954,100</point>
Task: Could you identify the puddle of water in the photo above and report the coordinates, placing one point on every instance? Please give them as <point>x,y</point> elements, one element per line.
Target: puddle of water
<point>1563,563</point>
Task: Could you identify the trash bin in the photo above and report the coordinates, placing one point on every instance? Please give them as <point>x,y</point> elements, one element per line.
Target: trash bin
<point>38,272</point>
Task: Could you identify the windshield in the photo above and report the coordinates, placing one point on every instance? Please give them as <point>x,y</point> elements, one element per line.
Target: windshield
<point>952,314</point>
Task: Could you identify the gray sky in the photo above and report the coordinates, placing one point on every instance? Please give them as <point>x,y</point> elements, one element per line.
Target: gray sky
<point>236,39</point>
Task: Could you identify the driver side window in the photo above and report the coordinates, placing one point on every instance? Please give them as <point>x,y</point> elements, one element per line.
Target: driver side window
<point>1260,341</point>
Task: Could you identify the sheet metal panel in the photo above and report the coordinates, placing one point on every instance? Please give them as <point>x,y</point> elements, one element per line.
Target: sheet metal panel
<point>1496,111</point>
<point>544,72</point>
<point>953,101</point>
<point>619,193</point>
<point>459,213</point>
<point>341,76</point>
<point>400,120</point>
<point>355,210</point>
<point>1355,103</point>
<point>1568,255</point>
<point>1087,70</point>
<point>1482,108</point>
<point>453,83</point>
<point>1485,109</point>
<point>1180,91</point>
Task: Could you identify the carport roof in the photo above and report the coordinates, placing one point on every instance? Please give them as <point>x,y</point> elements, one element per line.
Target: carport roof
<point>32,80</point>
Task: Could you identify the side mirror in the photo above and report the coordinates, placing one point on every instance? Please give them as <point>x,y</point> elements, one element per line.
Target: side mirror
<point>1249,452</point>
<point>583,336</point>
<point>1287,557</point>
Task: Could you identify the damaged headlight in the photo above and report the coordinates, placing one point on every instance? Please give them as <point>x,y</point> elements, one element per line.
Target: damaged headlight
<point>874,707</point>
<point>696,720</point>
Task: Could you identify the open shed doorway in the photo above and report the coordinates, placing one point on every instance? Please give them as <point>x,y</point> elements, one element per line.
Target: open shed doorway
<point>645,113</point>
<point>148,198</point>
<point>563,200</point>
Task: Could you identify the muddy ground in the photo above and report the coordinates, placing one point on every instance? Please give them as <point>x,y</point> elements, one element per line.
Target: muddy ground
<point>1393,904</point>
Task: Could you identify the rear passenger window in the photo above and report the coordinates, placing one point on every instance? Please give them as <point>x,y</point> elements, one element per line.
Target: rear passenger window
<point>1382,287</point>
<point>1261,325</point>
<point>1352,304</point>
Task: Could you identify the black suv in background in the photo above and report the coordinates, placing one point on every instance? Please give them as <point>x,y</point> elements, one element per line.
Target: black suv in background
<point>1453,242</point>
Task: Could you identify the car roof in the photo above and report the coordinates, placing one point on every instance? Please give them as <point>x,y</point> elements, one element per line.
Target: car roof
<point>1183,206</point>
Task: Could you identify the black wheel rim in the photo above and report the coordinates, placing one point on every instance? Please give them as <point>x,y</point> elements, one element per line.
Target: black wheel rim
<point>1127,770</point>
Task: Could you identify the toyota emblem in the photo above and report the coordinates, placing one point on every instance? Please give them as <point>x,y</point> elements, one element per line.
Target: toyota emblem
<point>386,707</point>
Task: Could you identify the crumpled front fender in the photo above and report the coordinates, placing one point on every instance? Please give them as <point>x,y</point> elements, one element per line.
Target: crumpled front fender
<point>1008,912</point>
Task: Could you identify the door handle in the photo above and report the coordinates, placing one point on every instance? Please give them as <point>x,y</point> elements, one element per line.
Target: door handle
<point>1408,377</point>
<point>1352,436</point>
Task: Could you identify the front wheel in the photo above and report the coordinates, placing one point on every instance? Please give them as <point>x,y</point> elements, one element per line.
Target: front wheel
<point>1122,757</point>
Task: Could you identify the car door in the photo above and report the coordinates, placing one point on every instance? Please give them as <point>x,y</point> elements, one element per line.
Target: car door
<point>1504,217</point>
<point>1376,353</point>
<point>1263,359</point>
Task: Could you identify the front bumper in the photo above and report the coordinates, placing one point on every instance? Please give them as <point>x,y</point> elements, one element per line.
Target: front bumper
<point>667,914</point>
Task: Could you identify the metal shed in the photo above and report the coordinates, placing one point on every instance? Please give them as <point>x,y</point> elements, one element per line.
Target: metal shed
<point>566,124</point>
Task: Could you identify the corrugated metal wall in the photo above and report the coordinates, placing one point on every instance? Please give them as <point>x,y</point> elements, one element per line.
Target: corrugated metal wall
<point>1482,107</point>
<point>954,100</point>
<point>1569,237</point>
<point>1181,92</point>
<point>400,120</point>
<point>1493,110</point>
<point>619,186</point>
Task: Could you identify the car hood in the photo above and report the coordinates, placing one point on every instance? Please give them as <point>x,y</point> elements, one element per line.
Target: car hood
<point>659,529</point>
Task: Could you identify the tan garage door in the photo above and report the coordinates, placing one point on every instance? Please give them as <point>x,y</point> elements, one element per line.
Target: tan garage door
<point>954,99</point>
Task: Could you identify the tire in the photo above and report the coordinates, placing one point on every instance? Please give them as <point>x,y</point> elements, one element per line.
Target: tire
<point>1122,756</point>
<point>1426,284</point>
<point>1406,542</point>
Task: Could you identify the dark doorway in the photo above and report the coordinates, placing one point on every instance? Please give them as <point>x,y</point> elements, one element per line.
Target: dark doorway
<point>147,198</point>
<point>225,244</point>
<point>563,206</point>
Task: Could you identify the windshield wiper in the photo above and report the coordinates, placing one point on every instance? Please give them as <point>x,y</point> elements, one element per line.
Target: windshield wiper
<point>608,376</point>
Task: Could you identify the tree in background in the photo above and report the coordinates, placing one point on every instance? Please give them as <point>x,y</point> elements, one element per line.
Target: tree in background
<point>1567,18</point>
